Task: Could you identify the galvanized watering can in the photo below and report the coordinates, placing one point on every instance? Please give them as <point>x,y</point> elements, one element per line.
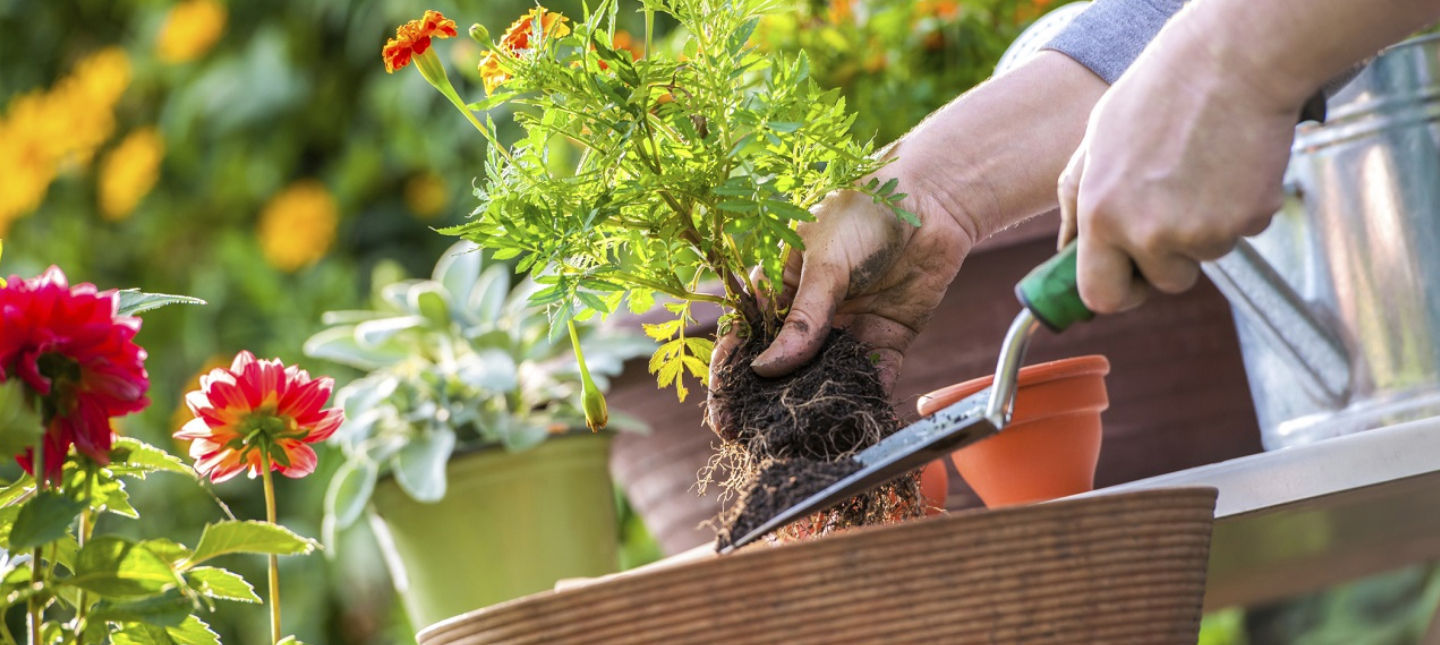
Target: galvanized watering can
<point>1337,303</point>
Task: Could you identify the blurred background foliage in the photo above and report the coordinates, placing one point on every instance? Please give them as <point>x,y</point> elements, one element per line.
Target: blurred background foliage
<point>256,154</point>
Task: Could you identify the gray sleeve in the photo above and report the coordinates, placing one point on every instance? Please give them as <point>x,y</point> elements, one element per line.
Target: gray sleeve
<point>1109,35</point>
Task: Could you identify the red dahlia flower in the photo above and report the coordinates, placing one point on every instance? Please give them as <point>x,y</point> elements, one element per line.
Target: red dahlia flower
<point>254,409</point>
<point>69,348</point>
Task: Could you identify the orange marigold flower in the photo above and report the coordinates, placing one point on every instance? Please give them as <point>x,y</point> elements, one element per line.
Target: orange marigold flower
<point>517,41</point>
<point>413,38</point>
<point>254,410</point>
<point>517,37</point>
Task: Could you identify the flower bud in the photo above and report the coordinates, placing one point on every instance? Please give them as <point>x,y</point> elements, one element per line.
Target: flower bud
<point>480,34</point>
<point>596,412</point>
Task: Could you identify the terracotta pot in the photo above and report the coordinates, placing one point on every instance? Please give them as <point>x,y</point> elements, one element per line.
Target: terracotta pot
<point>934,486</point>
<point>1050,448</point>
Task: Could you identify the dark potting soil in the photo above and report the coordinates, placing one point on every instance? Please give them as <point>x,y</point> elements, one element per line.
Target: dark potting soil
<point>787,438</point>
<point>778,485</point>
<point>832,407</point>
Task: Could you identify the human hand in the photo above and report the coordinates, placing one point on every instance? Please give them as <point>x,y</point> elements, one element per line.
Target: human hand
<point>866,271</point>
<point>1180,159</point>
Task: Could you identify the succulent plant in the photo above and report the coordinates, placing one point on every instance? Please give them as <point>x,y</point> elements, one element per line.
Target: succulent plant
<point>460,360</point>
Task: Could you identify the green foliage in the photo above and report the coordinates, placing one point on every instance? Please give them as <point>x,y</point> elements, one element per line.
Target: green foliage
<point>250,536</point>
<point>697,160</point>
<point>114,587</point>
<point>460,360</point>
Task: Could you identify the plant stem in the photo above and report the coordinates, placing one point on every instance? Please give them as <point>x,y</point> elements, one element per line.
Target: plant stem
<point>37,465</point>
<point>269,483</point>
<point>459,104</point>
<point>5,631</point>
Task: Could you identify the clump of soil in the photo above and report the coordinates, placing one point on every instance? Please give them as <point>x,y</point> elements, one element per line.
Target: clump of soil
<point>779,484</point>
<point>787,438</point>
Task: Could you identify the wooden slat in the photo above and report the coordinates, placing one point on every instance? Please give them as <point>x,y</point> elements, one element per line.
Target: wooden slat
<point>1121,568</point>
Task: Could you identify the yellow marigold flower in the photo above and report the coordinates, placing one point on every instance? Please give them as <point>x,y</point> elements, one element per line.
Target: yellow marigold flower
<point>191,29</point>
<point>129,171</point>
<point>426,195</point>
<point>298,225</point>
<point>43,131</point>
<point>517,40</point>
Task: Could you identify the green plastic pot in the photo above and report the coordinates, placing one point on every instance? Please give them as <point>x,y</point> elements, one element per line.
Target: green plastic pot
<point>510,524</point>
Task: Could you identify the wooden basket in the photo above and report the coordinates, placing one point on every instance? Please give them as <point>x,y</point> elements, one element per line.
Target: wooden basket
<point>1126,568</point>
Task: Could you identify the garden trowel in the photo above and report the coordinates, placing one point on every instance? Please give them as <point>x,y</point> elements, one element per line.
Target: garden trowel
<point>1049,296</point>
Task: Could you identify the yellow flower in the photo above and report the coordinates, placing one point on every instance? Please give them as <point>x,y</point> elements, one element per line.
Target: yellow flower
<point>44,132</point>
<point>129,171</point>
<point>298,225</point>
<point>426,195</point>
<point>191,29</point>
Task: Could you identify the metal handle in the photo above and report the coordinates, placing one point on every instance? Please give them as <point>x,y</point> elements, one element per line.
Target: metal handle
<point>1258,293</point>
<point>1050,296</point>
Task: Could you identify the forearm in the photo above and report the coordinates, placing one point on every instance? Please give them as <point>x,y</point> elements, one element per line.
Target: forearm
<point>1286,49</point>
<point>991,157</point>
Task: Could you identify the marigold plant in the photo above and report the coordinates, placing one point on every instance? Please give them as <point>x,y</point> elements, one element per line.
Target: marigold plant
<point>695,162</point>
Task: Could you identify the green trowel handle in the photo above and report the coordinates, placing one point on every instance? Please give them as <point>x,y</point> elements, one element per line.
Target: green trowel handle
<point>1049,291</point>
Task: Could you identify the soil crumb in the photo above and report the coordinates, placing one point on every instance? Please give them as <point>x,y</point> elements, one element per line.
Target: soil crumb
<point>783,438</point>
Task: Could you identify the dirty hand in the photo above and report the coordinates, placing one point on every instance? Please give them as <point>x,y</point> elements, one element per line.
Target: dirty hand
<point>864,270</point>
<point>1178,162</point>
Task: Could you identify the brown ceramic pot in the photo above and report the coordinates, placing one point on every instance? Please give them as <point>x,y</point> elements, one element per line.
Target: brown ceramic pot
<point>1052,443</point>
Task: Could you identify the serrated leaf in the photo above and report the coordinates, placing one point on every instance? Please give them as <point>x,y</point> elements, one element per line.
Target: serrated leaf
<point>701,348</point>
<point>169,609</point>
<point>662,331</point>
<point>134,301</point>
<point>907,216</point>
<point>116,567</point>
<point>43,519</point>
<point>233,536</point>
<point>110,496</point>
<point>214,582</point>
<point>131,456</point>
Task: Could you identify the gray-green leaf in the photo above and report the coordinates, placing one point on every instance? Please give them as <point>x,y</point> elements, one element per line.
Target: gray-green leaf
<point>420,466</point>
<point>350,490</point>
<point>134,301</point>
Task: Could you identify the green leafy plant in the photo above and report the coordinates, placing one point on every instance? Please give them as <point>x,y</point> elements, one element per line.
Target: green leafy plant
<point>458,361</point>
<point>695,162</point>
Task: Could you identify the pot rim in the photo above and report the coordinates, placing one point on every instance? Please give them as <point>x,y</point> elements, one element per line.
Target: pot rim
<point>1030,375</point>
